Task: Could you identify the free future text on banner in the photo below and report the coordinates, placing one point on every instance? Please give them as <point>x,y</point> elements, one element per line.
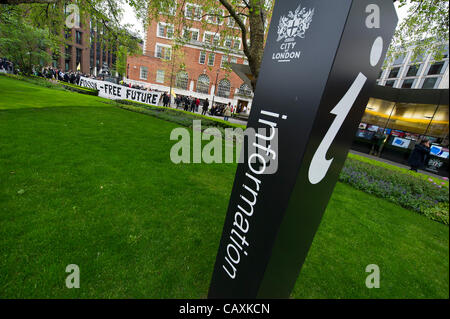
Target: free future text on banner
<point>118,92</point>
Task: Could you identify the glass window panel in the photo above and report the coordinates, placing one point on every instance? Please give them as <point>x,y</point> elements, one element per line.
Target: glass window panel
<point>394,72</point>
<point>407,84</point>
<point>436,68</point>
<point>429,83</point>
<point>413,70</point>
<point>203,84</point>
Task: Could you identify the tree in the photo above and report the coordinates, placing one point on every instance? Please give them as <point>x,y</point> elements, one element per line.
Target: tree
<point>51,15</point>
<point>251,18</point>
<point>23,43</point>
<point>426,23</point>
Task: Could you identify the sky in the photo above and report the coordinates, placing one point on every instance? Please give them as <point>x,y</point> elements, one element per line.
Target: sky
<point>130,17</point>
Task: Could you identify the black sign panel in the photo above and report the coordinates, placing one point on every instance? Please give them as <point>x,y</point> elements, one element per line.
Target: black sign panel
<point>320,63</point>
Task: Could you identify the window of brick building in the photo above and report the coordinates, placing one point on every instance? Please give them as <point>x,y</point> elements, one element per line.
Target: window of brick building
<point>228,42</point>
<point>165,30</point>
<point>211,59</point>
<point>202,57</point>
<point>211,38</point>
<point>193,11</point>
<point>169,10</point>
<point>191,34</point>
<point>79,53</point>
<point>245,90</point>
<point>237,44</point>
<point>79,37</point>
<point>215,16</point>
<point>160,76</point>
<point>224,88</point>
<point>144,73</point>
<point>163,51</point>
<point>181,81</point>
<point>203,84</point>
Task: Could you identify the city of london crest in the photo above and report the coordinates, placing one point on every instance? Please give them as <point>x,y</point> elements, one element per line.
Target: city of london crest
<point>295,24</point>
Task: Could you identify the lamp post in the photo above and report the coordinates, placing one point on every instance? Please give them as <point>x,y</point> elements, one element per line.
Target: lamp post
<point>215,87</point>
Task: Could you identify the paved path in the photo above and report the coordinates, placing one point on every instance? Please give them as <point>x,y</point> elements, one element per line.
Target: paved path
<point>376,158</point>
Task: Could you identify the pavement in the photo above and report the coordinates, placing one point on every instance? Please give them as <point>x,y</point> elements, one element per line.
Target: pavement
<point>376,158</point>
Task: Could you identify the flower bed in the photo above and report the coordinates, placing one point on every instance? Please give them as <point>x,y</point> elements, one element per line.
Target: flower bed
<point>423,196</point>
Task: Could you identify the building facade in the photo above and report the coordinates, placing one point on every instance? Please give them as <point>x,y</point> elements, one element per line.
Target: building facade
<point>85,49</point>
<point>424,72</point>
<point>201,67</point>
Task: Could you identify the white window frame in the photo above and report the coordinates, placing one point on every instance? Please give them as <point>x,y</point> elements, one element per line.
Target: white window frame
<point>200,56</point>
<point>225,42</point>
<point>214,19</point>
<point>158,76</point>
<point>214,58</point>
<point>164,46</point>
<point>172,10</point>
<point>191,5</point>
<point>191,30</point>
<point>231,25</point>
<point>165,25</point>
<point>140,72</point>
<point>224,60</point>
<point>234,43</point>
<point>214,37</point>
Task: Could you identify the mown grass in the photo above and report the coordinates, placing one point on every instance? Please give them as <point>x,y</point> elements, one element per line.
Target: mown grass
<point>83,182</point>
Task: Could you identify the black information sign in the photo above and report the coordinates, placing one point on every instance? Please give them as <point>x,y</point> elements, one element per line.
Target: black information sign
<point>320,63</point>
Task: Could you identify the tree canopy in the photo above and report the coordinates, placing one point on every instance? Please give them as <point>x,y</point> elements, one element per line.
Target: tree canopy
<point>424,29</point>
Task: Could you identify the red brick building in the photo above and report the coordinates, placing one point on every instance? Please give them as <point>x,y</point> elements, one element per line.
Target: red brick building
<point>204,72</point>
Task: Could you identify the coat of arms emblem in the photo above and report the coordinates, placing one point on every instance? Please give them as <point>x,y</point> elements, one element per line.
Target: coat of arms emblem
<point>295,24</point>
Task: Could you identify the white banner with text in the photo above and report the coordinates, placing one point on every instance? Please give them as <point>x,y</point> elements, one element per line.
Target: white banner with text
<point>119,92</point>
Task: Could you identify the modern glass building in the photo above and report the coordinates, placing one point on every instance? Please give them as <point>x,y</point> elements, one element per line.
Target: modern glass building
<point>421,72</point>
<point>404,117</point>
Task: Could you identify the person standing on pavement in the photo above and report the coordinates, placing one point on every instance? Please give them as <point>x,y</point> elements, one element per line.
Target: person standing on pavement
<point>227,112</point>
<point>419,155</point>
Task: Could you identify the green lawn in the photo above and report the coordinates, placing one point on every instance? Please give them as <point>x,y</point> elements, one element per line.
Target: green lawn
<point>83,182</point>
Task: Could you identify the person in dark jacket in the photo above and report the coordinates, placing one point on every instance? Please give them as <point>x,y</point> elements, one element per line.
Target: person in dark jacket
<point>205,106</point>
<point>166,99</point>
<point>419,155</point>
<point>187,102</point>
<point>192,104</point>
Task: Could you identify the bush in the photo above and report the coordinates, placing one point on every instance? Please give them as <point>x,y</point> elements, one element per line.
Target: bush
<point>438,213</point>
<point>78,89</point>
<point>180,117</point>
<point>423,196</point>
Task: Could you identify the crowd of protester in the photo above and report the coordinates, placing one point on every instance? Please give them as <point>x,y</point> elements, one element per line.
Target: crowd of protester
<point>194,104</point>
<point>7,66</point>
<point>188,103</point>
<point>57,74</point>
